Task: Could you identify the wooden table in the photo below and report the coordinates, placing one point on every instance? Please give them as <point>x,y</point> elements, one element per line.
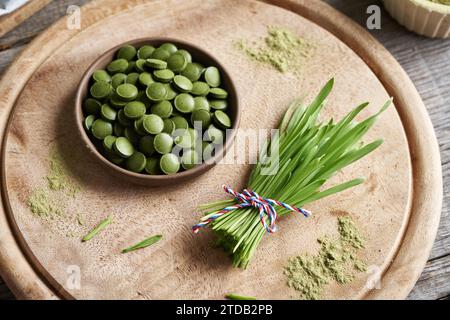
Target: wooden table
<point>425,60</point>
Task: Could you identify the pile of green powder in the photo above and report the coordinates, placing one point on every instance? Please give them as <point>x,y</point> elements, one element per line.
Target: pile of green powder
<point>49,201</point>
<point>281,49</point>
<point>336,261</point>
<point>42,205</point>
<point>57,177</point>
<point>445,2</point>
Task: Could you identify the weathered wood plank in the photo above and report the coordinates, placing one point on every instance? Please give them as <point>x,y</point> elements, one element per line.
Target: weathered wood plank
<point>7,57</point>
<point>437,273</point>
<point>37,23</point>
<point>13,19</point>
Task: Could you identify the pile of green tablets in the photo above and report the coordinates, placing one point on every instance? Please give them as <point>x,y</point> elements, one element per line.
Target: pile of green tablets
<point>145,104</point>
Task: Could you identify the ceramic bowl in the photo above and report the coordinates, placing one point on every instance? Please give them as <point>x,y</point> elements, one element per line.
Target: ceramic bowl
<point>199,55</point>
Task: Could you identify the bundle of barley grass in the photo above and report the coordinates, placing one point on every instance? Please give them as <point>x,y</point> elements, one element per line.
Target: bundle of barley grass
<point>310,153</point>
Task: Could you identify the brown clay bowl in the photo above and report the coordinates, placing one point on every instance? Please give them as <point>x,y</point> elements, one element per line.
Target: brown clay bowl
<point>198,55</point>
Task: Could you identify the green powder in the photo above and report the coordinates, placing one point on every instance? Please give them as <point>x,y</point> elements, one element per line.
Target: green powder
<point>349,233</point>
<point>336,261</point>
<point>50,201</point>
<point>42,205</point>
<point>281,49</point>
<point>57,177</point>
<point>445,2</point>
<point>361,266</point>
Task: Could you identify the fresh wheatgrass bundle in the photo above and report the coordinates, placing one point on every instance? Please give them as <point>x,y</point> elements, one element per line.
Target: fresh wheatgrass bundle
<point>310,153</point>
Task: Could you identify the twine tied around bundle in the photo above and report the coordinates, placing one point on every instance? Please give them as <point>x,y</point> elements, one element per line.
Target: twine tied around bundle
<point>248,198</point>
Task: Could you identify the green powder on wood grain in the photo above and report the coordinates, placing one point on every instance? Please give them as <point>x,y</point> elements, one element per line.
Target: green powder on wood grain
<point>336,261</point>
<point>49,201</point>
<point>281,49</point>
<point>349,233</point>
<point>446,2</point>
<point>42,205</point>
<point>361,266</point>
<point>58,178</point>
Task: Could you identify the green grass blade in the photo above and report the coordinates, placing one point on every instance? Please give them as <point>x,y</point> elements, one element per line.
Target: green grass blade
<point>233,296</point>
<point>352,157</point>
<point>102,225</point>
<point>144,244</point>
<point>334,190</point>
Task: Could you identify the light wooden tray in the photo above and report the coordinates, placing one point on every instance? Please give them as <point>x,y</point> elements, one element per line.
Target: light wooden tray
<point>398,208</point>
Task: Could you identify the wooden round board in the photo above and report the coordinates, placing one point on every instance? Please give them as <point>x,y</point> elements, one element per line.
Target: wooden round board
<point>397,208</point>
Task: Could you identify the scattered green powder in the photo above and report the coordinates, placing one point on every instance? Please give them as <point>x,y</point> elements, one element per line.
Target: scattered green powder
<point>281,49</point>
<point>42,205</point>
<point>50,201</point>
<point>446,2</point>
<point>349,233</point>
<point>57,177</point>
<point>336,261</point>
<point>361,266</point>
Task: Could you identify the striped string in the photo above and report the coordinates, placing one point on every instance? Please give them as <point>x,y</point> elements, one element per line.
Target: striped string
<point>265,207</point>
